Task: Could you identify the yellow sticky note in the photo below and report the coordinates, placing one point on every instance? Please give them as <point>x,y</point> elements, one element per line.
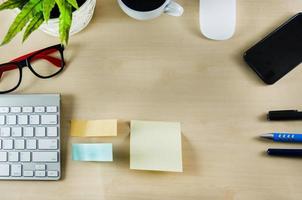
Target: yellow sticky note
<point>93,128</point>
<point>155,146</point>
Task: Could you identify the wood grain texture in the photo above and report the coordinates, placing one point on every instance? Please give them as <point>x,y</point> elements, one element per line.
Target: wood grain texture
<point>166,70</point>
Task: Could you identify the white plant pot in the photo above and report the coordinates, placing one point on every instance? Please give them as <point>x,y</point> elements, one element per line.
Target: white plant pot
<point>80,19</point>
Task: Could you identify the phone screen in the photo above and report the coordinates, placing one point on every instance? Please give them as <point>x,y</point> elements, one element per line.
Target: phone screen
<point>279,52</point>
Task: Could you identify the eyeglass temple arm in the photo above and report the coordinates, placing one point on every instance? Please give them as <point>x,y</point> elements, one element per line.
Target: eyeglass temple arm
<point>42,55</point>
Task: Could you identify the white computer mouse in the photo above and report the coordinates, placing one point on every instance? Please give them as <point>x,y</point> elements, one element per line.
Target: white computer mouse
<point>217,18</point>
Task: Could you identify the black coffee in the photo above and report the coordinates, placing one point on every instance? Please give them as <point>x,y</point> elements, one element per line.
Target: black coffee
<point>143,5</point>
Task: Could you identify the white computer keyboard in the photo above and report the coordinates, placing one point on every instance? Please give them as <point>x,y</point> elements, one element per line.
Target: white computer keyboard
<point>30,137</point>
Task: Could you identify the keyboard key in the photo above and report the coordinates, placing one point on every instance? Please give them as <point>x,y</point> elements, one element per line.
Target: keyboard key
<point>39,109</point>
<point>40,173</point>
<point>7,144</point>
<point>27,109</point>
<point>25,156</point>
<point>28,131</point>
<point>3,156</point>
<point>4,170</point>
<point>11,119</point>
<point>19,144</point>
<point>46,144</point>
<point>28,173</point>
<point>40,132</point>
<point>31,144</point>
<point>15,109</point>
<point>45,156</point>
<point>49,119</point>
<point>2,119</point>
<point>4,109</point>
<point>16,170</point>
<point>34,119</point>
<point>40,167</point>
<point>53,173</point>
<point>13,156</point>
<point>16,131</point>
<point>22,119</point>
<point>5,132</point>
<point>52,131</point>
<point>51,109</point>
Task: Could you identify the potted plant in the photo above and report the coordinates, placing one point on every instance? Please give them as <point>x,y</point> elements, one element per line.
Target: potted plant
<point>55,17</point>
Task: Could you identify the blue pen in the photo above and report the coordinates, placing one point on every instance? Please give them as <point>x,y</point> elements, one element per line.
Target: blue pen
<point>283,137</point>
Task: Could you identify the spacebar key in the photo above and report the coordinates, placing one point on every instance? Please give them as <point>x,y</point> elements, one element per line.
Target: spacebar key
<point>45,156</point>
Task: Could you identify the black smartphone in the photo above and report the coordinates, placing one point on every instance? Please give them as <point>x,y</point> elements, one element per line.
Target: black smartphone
<point>279,52</point>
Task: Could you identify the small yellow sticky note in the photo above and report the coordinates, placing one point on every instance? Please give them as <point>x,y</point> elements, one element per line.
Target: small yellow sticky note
<point>93,128</point>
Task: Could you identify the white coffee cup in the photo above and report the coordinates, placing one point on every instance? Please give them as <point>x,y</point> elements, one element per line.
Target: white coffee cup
<point>169,7</point>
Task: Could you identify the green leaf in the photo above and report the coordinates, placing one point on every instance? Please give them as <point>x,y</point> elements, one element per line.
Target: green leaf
<point>48,5</point>
<point>65,20</point>
<point>38,7</point>
<point>11,4</point>
<point>33,25</point>
<point>74,3</point>
<point>22,19</point>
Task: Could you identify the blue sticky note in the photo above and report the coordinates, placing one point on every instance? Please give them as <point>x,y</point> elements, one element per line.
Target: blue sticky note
<point>92,152</point>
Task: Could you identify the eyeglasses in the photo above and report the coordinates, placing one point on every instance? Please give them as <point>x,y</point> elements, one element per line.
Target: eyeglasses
<point>44,63</point>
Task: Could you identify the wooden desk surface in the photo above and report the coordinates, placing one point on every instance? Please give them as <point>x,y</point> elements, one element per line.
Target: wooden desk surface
<point>166,70</point>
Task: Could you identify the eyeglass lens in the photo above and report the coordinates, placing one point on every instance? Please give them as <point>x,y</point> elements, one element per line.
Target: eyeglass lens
<point>9,77</point>
<point>47,63</point>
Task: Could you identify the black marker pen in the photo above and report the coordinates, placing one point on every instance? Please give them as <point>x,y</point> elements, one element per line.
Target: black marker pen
<point>280,115</point>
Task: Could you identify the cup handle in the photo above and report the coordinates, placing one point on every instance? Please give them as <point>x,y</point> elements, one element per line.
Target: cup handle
<point>174,9</point>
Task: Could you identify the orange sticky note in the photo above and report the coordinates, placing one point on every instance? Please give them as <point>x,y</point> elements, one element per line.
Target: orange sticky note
<point>93,128</point>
